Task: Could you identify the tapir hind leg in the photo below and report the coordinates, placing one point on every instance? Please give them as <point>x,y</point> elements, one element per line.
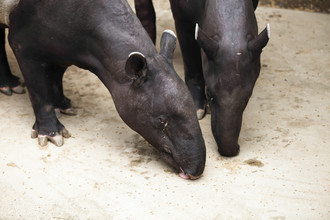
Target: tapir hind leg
<point>39,79</point>
<point>62,103</point>
<point>8,82</point>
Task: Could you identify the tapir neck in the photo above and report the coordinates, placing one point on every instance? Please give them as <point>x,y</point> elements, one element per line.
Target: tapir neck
<point>110,36</point>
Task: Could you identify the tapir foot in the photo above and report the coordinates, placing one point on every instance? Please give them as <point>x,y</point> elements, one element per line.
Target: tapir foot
<point>67,107</point>
<point>11,84</point>
<point>200,113</point>
<point>10,90</point>
<point>69,111</point>
<point>56,139</point>
<point>6,90</point>
<point>18,89</point>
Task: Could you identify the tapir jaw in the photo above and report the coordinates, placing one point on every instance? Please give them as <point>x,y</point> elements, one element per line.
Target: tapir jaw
<point>191,174</point>
<point>226,126</point>
<point>227,149</point>
<point>226,138</point>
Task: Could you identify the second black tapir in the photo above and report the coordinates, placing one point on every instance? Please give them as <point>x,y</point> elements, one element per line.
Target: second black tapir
<point>221,53</point>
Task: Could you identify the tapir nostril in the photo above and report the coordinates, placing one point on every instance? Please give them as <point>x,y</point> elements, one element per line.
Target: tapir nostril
<point>193,177</point>
<point>183,175</point>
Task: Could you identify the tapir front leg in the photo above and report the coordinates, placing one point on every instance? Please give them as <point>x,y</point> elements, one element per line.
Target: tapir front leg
<point>191,53</point>
<point>39,78</point>
<point>146,13</point>
<point>8,82</point>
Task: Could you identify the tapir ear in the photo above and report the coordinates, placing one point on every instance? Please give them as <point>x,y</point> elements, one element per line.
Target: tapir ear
<point>167,45</point>
<point>136,65</point>
<point>209,45</point>
<point>258,43</point>
<point>255,4</point>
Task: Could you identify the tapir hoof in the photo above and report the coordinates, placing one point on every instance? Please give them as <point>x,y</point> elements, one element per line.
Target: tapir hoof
<point>6,90</point>
<point>69,111</point>
<point>56,139</point>
<point>18,89</point>
<point>9,91</point>
<point>200,113</point>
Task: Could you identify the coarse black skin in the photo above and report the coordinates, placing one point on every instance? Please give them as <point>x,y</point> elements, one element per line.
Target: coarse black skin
<point>8,82</point>
<point>221,56</point>
<point>146,13</point>
<point>100,36</point>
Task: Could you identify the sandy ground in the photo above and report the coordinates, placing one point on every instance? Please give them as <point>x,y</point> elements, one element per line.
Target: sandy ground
<point>306,5</point>
<point>107,171</point>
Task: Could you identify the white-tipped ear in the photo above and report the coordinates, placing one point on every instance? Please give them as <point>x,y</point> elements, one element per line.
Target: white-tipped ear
<point>170,32</point>
<point>196,31</point>
<point>167,45</point>
<point>136,65</point>
<point>136,53</point>
<point>268,30</point>
<point>209,45</point>
<point>258,43</point>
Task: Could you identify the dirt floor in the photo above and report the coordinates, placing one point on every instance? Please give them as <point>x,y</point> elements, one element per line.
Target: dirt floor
<point>305,5</point>
<point>107,171</point>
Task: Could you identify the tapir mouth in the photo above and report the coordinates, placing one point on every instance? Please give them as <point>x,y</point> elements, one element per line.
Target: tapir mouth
<point>187,176</point>
<point>169,158</point>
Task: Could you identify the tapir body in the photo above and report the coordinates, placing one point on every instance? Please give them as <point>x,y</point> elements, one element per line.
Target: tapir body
<point>221,52</point>
<point>105,37</point>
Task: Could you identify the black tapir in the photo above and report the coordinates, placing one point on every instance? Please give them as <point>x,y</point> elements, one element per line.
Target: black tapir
<point>228,64</point>
<point>105,37</point>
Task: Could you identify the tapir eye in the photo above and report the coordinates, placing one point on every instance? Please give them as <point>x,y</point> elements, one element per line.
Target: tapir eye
<point>163,121</point>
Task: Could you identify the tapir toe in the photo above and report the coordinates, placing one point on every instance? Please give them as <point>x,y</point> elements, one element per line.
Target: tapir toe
<point>6,90</point>
<point>56,139</point>
<point>18,89</point>
<point>200,114</point>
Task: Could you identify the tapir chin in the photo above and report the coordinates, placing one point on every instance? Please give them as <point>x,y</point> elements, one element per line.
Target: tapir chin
<point>221,53</point>
<point>106,38</point>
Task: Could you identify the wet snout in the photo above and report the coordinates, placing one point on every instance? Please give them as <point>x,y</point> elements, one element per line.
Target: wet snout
<point>187,156</point>
<point>226,131</point>
<point>194,169</point>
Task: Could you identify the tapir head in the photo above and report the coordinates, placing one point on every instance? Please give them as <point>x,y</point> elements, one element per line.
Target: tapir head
<point>231,66</point>
<point>158,106</point>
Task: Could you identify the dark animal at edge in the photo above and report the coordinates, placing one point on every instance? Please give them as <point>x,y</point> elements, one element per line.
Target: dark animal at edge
<point>106,38</point>
<point>221,53</point>
<point>8,82</point>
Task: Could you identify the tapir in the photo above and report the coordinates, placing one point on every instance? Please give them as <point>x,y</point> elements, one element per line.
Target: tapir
<point>106,38</point>
<point>221,53</point>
